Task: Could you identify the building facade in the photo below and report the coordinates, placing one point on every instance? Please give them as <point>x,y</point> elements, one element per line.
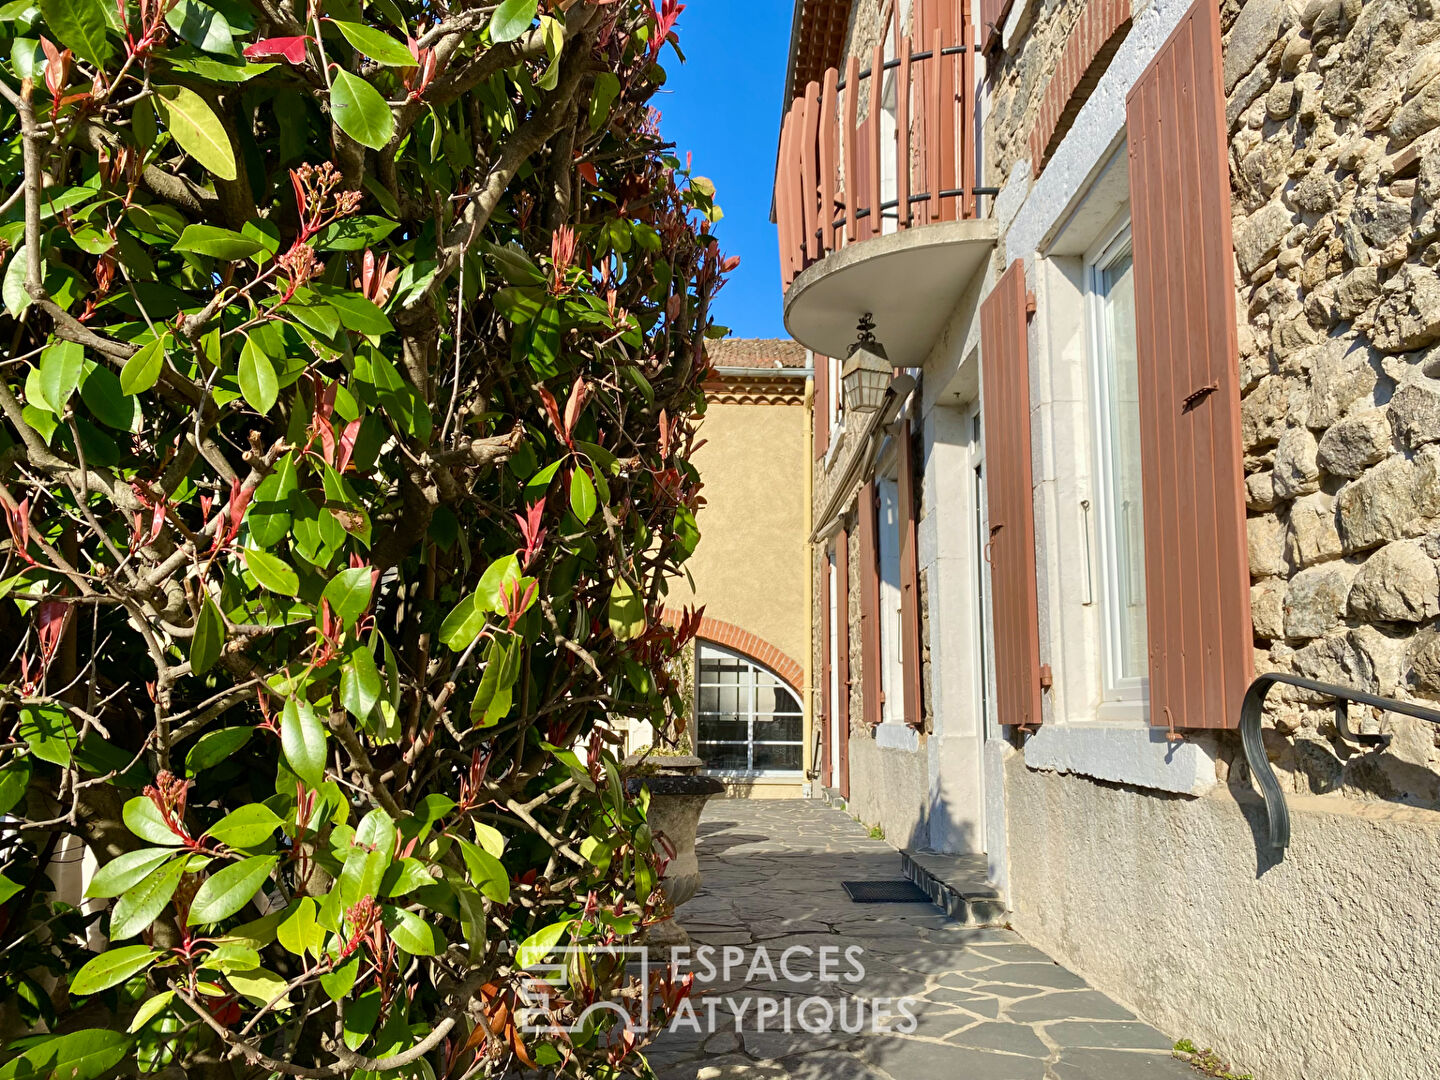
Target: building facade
<point>748,671</point>
<point>1157,283</point>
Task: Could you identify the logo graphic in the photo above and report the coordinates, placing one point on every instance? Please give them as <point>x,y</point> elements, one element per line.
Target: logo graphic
<point>545,992</point>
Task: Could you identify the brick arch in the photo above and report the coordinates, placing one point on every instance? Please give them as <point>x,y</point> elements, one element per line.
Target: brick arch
<point>747,644</point>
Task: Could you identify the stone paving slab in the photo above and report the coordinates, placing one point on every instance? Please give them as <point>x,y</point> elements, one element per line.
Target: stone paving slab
<point>888,991</point>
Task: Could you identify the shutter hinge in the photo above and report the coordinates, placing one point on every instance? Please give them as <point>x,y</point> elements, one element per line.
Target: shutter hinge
<point>1047,677</point>
<point>1030,304</point>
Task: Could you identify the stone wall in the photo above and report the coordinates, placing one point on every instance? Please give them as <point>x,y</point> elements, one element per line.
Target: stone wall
<point>1017,80</point>
<point>1334,110</point>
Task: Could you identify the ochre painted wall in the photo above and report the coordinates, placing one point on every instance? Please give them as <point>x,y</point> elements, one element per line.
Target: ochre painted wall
<point>750,568</point>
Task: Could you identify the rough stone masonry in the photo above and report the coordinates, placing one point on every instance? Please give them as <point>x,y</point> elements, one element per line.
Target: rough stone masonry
<point>1334,111</point>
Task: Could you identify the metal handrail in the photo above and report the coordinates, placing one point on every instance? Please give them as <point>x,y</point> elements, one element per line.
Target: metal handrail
<point>1250,734</point>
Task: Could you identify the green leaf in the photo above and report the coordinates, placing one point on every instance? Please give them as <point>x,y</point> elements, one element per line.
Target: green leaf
<point>60,367</point>
<point>269,513</point>
<point>14,779</point>
<point>404,877</point>
<point>514,264</point>
<point>338,983</point>
<point>582,495</point>
<point>512,18</point>
<point>627,611</point>
<point>49,733</point>
<point>224,893</point>
<point>80,1055</point>
<point>299,931</point>
<point>358,314</point>
<point>209,637</point>
<point>233,957</point>
<point>143,819</point>
<point>602,98</point>
<point>149,1009</point>
<point>260,987</point>
<point>196,128</point>
<point>217,243</point>
<point>142,904</point>
<point>202,26</point>
<point>112,967</point>
<point>375,44</point>
<point>257,377</point>
<point>360,685</point>
<point>245,827</point>
<point>101,391</point>
<point>81,26</point>
<point>486,872</point>
<point>12,289</point>
<point>272,572</point>
<point>360,1016</point>
<point>539,944</point>
<point>142,370</point>
<point>463,625</point>
<point>124,872</point>
<point>498,574</point>
<point>413,934</point>
<point>492,700</point>
<point>27,57</point>
<point>360,111</point>
<point>349,594</point>
<point>214,747</point>
<point>302,737</point>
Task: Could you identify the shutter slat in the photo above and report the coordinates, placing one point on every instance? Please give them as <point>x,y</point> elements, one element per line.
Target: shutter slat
<point>842,607</point>
<point>910,628</point>
<point>1006,404</point>
<point>1196,562</point>
<point>869,570</point>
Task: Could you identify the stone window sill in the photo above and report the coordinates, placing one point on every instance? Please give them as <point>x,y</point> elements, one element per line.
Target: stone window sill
<point>1123,754</point>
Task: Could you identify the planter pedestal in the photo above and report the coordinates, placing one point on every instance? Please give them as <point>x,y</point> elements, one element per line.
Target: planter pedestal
<point>676,802</point>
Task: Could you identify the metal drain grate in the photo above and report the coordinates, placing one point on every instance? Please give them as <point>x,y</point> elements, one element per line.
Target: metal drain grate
<point>889,891</point>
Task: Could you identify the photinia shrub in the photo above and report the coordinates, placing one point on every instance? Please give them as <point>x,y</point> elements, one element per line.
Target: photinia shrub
<point>351,366</point>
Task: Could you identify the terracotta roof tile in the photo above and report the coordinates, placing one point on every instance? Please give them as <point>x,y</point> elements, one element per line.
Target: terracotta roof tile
<point>764,353</point>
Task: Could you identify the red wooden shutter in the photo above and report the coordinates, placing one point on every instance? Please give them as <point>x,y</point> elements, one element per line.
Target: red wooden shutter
<point>842,609</point>
<point>914,677</point>
<point>820,407</point>
<point>826,704</point>
<point>870,659</point>
<point>1004,345</point>
<point>1197,576</point>
<point>992,22</point>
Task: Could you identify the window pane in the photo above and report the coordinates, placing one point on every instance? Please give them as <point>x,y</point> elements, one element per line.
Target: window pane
<point>787,758</point>
<point>1126,510</point>
<point>778,728</point>
<point>723,729</point>
<point>725,756</point>
<point>772,699</point>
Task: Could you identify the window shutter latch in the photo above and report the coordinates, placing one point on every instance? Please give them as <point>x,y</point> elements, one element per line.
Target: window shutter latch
<point>1047,677</point>
<point>1196,397</point>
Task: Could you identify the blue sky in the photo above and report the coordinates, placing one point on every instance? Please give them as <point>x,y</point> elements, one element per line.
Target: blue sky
<point>724,105</point>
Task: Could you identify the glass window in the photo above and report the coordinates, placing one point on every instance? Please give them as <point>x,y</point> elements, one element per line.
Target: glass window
<point>1119,483</point>
<point>748,719</point>
<point>891,614</point>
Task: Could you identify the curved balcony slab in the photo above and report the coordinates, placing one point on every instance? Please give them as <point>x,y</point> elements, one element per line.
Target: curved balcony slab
<point>909,281</point>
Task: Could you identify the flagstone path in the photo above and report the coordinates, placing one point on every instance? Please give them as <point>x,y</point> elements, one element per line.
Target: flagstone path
<point>987,1006</point>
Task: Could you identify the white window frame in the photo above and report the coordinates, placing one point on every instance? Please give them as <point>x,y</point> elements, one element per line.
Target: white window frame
<point>1125,698</point>
<point>750,685</point>
<point>887,553</point>
<point>839,623</point>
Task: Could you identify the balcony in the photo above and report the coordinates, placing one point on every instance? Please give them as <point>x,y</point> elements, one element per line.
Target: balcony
<point>880,214</point>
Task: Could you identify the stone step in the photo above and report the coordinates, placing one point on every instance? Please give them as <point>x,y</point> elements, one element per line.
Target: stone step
<point>957,885</point>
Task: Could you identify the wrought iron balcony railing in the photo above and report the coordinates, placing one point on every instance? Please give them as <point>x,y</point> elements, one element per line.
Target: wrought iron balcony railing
<point>1250,733</point>
<point>910,161</point>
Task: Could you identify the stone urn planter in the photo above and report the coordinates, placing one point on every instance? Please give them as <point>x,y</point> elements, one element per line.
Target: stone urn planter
<point>676,801</point>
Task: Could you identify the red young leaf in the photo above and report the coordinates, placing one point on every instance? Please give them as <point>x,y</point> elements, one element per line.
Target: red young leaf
<point>291,49</point>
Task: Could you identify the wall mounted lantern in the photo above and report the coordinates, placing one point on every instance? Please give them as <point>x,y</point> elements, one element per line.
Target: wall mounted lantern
<point>867,371</point>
